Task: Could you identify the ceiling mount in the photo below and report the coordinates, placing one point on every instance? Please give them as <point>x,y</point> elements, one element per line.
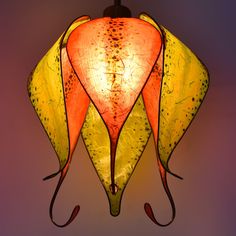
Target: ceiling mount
<point>117,10</point>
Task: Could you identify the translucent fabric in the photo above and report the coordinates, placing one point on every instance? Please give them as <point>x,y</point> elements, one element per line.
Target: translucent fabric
<point>113,68</point>
<point>116,80</point>
<point>184,83</point>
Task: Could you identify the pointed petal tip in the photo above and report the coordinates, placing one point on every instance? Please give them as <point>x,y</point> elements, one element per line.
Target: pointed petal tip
<point>115,203</point>
<point>115,211</point>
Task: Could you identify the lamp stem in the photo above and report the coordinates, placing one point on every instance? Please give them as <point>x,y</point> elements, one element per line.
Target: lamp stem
<point>117,2</point>
<point>117,10</point>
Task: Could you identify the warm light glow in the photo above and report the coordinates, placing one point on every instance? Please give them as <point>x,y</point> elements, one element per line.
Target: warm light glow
<point>112,66</point>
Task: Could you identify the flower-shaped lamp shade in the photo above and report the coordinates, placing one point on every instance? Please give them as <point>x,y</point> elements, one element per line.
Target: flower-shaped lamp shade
<point>115,81</point>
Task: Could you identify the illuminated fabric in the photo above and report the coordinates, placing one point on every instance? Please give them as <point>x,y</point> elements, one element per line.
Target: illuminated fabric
<point>116,80</point>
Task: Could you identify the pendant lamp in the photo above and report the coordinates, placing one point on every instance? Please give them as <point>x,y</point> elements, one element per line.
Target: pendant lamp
<point>114,81</point>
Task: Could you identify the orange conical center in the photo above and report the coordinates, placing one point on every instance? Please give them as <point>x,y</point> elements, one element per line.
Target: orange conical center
<point>113,59</point>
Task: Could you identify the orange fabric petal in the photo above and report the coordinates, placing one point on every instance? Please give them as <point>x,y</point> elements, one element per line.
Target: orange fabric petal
<point>77,101</point>
<point>113,59</point>
<point>151,95</point>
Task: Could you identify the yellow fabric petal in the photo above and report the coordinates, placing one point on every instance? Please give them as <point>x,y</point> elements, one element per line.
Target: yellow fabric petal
<point>46,95</point>
<point>184,86</point>
<point>147,18</point>
<point>132,141</point>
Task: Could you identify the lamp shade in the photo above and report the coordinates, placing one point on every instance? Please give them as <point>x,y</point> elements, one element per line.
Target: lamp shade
<point>115,81</point>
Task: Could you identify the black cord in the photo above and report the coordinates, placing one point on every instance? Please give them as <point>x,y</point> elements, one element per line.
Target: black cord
<point>117,10</point>
<point>117,2</point>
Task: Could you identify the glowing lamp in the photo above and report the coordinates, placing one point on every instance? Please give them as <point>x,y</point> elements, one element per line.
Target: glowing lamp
<point>115,80</point>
